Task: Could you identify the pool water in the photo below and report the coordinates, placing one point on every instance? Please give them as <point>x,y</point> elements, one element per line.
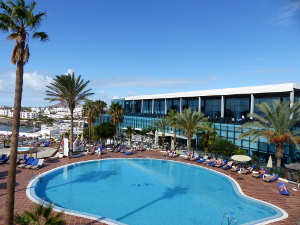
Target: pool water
<point>137,191</point>
<point>20,149</point>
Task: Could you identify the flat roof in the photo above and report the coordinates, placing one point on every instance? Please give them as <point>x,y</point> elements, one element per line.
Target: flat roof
<point>274,88</point>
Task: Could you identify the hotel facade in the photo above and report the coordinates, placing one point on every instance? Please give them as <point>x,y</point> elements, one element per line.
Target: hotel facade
<point>226,108</point>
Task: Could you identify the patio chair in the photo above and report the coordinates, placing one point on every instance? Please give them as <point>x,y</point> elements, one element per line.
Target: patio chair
<point>270,178</point>
<point>28,162</point>
<point>55,156</point>
<point>40,163</point>
<point>282,188</point>
<point>34,163</point>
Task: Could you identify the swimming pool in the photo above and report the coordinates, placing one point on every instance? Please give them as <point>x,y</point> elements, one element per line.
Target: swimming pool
<point>23,149</point>
<point>136,191</point>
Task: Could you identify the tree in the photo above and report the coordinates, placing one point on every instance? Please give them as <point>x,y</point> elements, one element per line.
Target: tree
<point>191,123</point>
<point>90,111</point>
<point>40,215</point>
<point>129,132</point>
<point>105,131</point>
<point>276,125</point>
<point>171,117</point>
<point>116,111</point>
<point>224,147</point>
<point>101,105</point>
<point>208,135</point>
<point>162,124</point>
<point>71,90</point>
<point>20,20</point>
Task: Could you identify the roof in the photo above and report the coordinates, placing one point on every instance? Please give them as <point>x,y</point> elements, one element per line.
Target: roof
<point>275,88</point>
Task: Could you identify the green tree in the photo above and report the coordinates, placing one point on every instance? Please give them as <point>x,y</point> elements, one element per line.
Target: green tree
<point>129,132</point>
<point>171,117</point>
<point>101,105</point>
<point>162,124</point>
<point>21,20</point>
<point>90,111</point>
<point>116,113</point>
<point>40,215</point>
<point>208,135</point>
<point>276,125</point>
<point>105,131</point>
<point>71,90</point>
<point>190,122</point>
<point>224,147</point>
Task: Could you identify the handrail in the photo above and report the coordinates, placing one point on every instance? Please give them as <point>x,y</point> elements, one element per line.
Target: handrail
<point>225,214</point>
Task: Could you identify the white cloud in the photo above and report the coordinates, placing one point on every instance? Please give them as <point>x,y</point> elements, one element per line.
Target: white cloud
<point>288,11</point>
<point>70,71</point>
<point>34,82</point>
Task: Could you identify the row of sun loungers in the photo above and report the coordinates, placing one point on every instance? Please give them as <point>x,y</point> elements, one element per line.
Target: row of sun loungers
<point>32,163</point>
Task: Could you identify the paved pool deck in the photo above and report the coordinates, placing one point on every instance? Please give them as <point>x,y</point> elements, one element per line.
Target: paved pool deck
<point>252,187</point>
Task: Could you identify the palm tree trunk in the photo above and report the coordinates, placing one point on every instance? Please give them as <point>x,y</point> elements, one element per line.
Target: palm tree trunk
<point>174,139</point>
<point>71,135</point>
<point>11,179</point>
<point>279,153</point>
<point>189,142</point>
<point>163,140</point>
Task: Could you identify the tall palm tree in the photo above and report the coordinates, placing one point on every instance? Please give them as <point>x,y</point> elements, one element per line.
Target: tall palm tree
<point>116,111</point>
<point>20,20</point>
<point>101,105</point>
<point>190,121</point>
<point>171,117</point>
<point>71,90</point>
<point>162,124</point>
<point>130,131</point>
<point>90,111</point>
<point>276,125</point>
<point>208,135</point>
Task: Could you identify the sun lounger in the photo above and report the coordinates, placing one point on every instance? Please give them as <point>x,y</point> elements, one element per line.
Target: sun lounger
<point>274,177</point>
<point>40,163</point>
<point>259,175</point>
<point>28,162</point>
<point>3,157</point>
<point>246,171</point>
<point>282,188</point>
<point>34,163</point>
<point>5,160</point>
<point>224,161</point>
<point>24,159</point>
<point>55,156</point>
<point>227,166</point>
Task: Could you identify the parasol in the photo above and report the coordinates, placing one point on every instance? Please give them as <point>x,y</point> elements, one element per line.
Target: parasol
<point>295,166</point>
<point>241,158</point>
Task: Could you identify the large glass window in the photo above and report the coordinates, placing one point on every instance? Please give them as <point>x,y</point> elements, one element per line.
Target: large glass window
<point>191,103</point>
<point>212,107</point>
<point>129,106</point>
<point>159,106</point>
<point>260,98</point>
<point>173,104</point>
<point>147,106</point>
<point>236,107</point>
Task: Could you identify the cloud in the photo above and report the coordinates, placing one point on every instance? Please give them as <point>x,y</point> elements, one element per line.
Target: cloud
<point>70,71</point>
<point>151,82</point>
<point>34,82</point>
<point>288,11</point>
<point>270,71</point>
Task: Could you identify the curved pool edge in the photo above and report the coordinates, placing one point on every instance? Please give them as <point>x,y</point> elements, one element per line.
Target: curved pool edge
<point>32,196</point>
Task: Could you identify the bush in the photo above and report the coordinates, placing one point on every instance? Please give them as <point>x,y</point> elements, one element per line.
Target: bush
<point>224,147</point>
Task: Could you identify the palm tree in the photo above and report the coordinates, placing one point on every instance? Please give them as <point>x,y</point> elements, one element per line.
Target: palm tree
<point>101,105</point>
<point>129,132</point>
<point>208,135</point>
<point>171,117</point>
<point>191,123</point>
<point>40,215</point>
<point>68,89</point>
<point>162,124</point>
<point>20,20</point>
<point>90,111</point>
<point>276,125</point>
<point>116,111</point>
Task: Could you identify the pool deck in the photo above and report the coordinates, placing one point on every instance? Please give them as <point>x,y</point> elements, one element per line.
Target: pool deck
<point>252,187</point>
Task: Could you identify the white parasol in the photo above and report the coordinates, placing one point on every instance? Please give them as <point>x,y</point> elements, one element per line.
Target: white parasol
<point>241,158</point>
<point>270,162</point>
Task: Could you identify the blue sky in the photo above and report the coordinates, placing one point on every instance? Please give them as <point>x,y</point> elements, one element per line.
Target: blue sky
<point>138,47</point>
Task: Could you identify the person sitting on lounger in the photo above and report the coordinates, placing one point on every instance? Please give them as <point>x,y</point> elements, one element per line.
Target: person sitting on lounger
<point>261,172</point>
<point>247,170</point>
<point>282,188</point>
<point>267,178</point>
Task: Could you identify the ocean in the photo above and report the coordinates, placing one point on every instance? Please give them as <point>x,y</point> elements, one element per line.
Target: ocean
<point>22,128</point>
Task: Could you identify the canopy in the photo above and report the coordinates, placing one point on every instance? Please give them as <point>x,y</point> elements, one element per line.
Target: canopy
<point>295,166</point>
<point>241,158</point>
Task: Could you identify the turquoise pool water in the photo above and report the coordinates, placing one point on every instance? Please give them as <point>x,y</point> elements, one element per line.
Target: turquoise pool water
<point>137,191</point>
<point>24,149</point>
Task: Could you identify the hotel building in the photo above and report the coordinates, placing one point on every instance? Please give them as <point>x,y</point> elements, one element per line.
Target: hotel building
<point>226,108</point>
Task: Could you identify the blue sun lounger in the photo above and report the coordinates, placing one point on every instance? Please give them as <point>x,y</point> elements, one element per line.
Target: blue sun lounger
<point>34,163</point>
<point>28,162</point>
<point>283,191</point>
